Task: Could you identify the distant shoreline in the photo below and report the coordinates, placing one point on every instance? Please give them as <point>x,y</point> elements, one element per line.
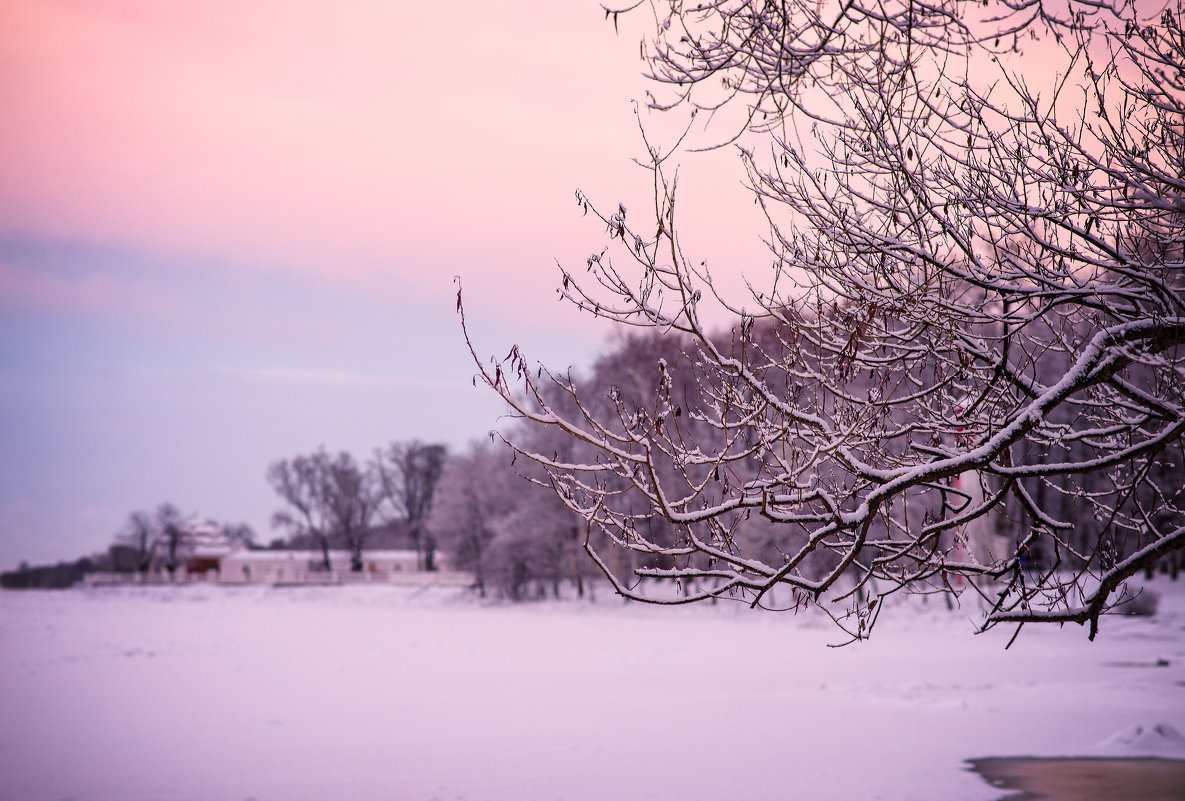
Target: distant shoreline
<point>1085,778</point>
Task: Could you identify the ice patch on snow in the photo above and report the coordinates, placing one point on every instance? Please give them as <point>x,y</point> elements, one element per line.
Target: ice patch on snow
<point>1159,739</point>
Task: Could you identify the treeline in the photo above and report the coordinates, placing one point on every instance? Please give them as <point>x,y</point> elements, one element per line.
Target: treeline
<point>651,394</point>
<point>479,510</point>
<point>503,519</point>
<point>523,537</point>
<point>336,501</point>
<point>165,538</point>
<point>160,540</point>
<point>48,577</point>
<point>473,507</point>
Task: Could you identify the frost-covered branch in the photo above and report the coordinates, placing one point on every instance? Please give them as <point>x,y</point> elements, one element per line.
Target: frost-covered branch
<point>965,368</point>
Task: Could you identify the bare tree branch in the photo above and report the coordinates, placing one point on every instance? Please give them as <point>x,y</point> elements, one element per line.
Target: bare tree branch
<point>965,370</point>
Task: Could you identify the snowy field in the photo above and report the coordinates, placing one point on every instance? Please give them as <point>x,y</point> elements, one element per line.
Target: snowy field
<point>378,693</point>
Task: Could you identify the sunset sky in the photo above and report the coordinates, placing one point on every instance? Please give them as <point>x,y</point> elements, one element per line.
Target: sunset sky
<point>229,231</point>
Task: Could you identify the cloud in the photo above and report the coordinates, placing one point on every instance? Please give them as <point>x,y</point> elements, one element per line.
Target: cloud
<point>329,378</point>
<point>28,288</point>
<point>161,294</point>
<point>338,379</point>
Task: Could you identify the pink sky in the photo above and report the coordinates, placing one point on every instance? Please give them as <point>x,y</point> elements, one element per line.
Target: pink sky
<point>320,136</point>
<point>262,204</point>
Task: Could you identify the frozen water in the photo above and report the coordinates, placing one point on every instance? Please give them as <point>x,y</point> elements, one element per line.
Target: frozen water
<point>367,693</point>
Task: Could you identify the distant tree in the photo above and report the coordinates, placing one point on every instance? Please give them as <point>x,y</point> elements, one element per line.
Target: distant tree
<point>47,577</point>
<point>170,532</point>
<point>138,534</point>
<point>976,214</point>
<point>164,537</point>
<point>240,533</point>
<point>409,472</point>
<point>352,494</point>
<point>328,497</point>
<point>535,546</point>
<point>475,493</point>
<point>299,483</point>
<point>146,536</point>
<point>123,558</point>
<point>512,535</point>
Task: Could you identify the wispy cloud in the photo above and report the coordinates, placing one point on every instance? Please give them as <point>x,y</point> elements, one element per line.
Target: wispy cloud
<point>330,378</point>
<point>27,288</point>
<point>160,294</point>
<point>298,375</point>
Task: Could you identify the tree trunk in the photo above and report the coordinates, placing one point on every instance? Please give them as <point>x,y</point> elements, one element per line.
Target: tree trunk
<point>429,553</point>
<point>415,539</point>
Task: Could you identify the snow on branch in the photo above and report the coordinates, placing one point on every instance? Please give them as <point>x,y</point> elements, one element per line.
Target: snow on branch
<point>964,371</point>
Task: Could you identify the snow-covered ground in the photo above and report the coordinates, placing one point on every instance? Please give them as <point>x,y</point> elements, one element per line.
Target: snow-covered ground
<point>385,693</point>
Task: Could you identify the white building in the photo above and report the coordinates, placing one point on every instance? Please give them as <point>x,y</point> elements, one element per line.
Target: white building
<point>298,567</point>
